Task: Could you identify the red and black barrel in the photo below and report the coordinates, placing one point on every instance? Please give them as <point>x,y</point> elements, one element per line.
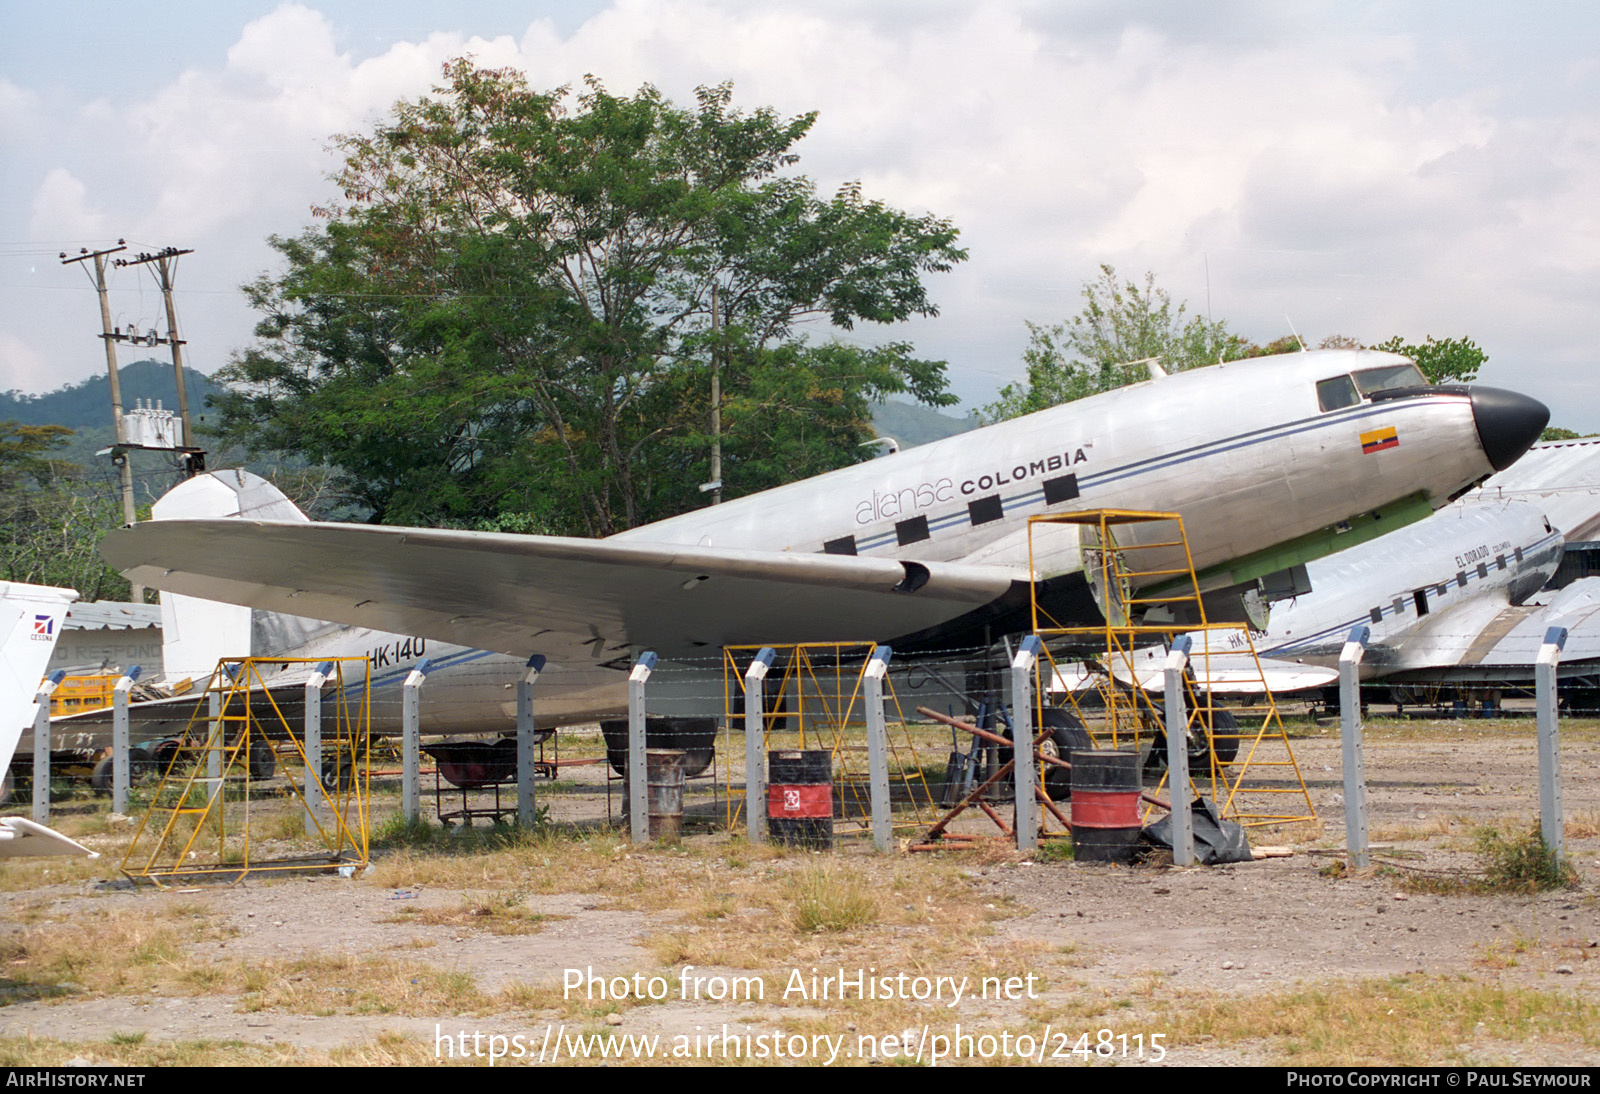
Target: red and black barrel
<point>800,797</point>
<point>1105,805</point>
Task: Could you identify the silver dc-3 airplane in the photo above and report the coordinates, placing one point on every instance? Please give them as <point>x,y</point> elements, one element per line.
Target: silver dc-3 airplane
<point>1272,462</point>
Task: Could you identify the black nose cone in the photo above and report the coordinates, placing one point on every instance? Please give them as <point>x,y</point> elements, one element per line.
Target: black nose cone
<point>1508,423</point>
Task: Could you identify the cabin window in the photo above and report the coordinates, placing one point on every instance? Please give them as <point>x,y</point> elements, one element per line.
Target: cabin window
<point>1399,606</point>
<point>1500,562</point>
<point>1376,615</point>
<point>1337,392</point>
<point>1483,569</point>
<point>1461,579</point>
<point>1371,380</point>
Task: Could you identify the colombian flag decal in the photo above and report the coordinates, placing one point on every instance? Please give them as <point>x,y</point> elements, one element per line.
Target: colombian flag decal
<point>1379,439</point>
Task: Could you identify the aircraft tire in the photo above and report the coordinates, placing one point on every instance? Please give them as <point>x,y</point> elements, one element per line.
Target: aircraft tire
<point>100,777</point>
<point>1067,735</point>
<point>1225,736</point>
<point>263,761</point>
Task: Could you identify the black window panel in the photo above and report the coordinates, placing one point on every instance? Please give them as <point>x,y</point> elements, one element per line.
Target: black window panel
<point>1518,553</point>
<point>1059,489</point>
<point>1399,606</point>
<point>845,546</point>
<point>1337,392</point>
<point>1483,569</point>
<point>914,530</point>
<point>1461,579</point>
<point>1376,614</point>
<point>985,510</point>
<point>1500,562</point>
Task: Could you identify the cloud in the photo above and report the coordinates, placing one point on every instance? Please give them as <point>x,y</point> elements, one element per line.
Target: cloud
<point>1365,175</point>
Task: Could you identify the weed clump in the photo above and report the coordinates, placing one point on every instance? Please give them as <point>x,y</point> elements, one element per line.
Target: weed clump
<point>1507,864</point>
<point>831,898</point>
<point>1522,865</point>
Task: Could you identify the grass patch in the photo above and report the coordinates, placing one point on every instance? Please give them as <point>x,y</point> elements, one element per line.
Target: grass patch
<point>1406,1021</point>
<point>831,898</point>
<point>505,914</point>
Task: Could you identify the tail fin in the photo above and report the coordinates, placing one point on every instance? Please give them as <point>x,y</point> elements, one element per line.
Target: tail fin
<point>195,632</point>
<point>31,617</point>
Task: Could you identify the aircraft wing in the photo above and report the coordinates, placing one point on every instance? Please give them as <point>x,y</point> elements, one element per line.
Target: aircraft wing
<point>1506,645</point>
<point>562,597</point>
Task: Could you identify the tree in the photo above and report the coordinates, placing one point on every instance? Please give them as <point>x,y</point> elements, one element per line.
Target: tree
<point>1121,323</point>
<point>51,520</point>
<point>1442,360</point>
<point>511,310</point>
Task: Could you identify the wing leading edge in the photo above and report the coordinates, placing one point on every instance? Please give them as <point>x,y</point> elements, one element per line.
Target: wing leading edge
<point>545,594</point>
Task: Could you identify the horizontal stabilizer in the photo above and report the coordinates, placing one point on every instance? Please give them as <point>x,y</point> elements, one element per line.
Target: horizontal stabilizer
<point>20,836</point>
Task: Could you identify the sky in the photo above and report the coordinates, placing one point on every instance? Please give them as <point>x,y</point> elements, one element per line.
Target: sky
<point>1363,169</point>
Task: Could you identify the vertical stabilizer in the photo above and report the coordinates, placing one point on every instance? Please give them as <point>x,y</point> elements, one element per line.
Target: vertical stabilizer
<point>196,633</point>
<point>31,617</point>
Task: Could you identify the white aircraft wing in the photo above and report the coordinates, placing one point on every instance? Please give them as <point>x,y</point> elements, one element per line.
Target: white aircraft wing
<point>20,836</point>
<point>550,595</point>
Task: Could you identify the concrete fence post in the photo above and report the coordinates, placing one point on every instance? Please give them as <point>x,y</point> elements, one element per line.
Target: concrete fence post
<point>1551,824</point>
<point>1177,715</point>
<point>411,742</point>
<point>638,790</point>
<point>41,747</point>
<point>755,760</point>
<point>527,803</point>
<point>878,748</point>
<point>120,774</point>
<point>1355,765</point>
<point>1025,769</point>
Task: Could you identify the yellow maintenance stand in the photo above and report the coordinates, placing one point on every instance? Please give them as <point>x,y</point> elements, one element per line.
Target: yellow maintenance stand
<point>217,812</point>
<point>1142,576</point>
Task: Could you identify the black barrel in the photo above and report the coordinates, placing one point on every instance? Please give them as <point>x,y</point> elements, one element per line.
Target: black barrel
<point>800,797</point>
<point>694,735</point>
<point>1105,805</point>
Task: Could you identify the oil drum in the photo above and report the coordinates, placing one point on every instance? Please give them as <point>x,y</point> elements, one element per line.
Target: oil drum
<point>1105,805</point>
<point>800,797</point>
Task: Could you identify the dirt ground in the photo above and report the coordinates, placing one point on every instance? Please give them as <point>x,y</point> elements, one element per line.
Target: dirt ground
<point>1242,964</point>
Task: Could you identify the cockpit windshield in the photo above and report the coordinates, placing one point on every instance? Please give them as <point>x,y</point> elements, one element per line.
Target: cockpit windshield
<point>1372,380</point>
<point>1342,391</point>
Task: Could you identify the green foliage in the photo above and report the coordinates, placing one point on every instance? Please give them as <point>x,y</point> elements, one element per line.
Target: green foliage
<point>1122,322</point>
<point>1442,360</point>
<point>51,519</point>
<point>1521,864</point>
<point>511,313</point>
<point>1556,433</point>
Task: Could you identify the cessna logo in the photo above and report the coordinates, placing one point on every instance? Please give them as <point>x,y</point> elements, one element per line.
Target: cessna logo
<point>44,627</point>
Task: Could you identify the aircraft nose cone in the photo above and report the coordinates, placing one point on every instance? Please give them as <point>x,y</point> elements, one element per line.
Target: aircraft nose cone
<point>1508,423</point>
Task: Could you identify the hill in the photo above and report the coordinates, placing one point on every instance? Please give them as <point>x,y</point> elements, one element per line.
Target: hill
<point>87,405</point>
<point>913,424</point>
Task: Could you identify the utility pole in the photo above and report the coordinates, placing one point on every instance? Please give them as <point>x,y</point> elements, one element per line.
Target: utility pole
<point>716,401</point>
<point>119,455</point>
<point>166,264</point>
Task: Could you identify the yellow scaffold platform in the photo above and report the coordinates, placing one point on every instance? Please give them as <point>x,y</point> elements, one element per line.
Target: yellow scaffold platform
<point>217,809</point>
<point>817,702</point>
<point>1142,576</point>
